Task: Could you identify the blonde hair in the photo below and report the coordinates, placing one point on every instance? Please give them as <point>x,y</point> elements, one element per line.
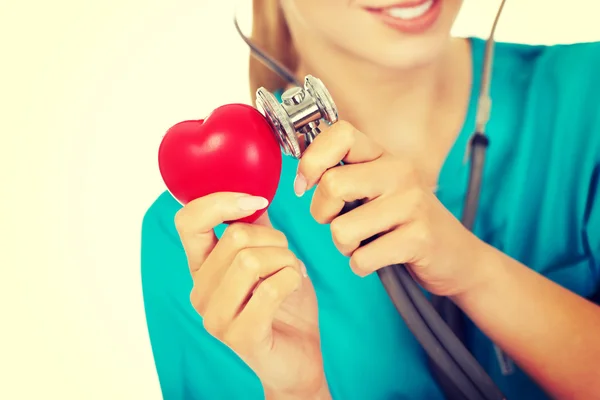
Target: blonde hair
<point>271,33</point>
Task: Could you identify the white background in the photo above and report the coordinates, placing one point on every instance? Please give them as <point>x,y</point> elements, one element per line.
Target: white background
<point>87,89</point>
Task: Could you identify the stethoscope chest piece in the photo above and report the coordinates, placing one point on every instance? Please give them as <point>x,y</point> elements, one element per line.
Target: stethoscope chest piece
<point>296,119</point>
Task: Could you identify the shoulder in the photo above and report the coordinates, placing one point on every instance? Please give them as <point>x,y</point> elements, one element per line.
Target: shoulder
<point>570,62</point>
<point>558,58</point>
<point>568,71</point>
<point>546,67</point>
<point>551,92</point>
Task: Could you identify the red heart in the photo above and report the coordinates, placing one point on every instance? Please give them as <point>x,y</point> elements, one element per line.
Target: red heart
<point>234,149</point>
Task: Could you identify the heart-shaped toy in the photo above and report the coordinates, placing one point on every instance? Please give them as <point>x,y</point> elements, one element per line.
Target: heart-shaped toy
<point>234,149</point>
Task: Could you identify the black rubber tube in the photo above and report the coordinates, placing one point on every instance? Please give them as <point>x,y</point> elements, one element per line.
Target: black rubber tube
<point>424,336</point>
<point>447,339</point>
<point>479,144</point>
<point>266,60</point>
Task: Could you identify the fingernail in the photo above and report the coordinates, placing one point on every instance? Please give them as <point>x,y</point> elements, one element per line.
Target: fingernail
<point>252,203</point>
<point>303,270</point>
<point>300,185</point>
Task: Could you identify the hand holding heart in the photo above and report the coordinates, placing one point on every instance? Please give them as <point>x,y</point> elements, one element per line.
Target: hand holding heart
<point>253,293</point>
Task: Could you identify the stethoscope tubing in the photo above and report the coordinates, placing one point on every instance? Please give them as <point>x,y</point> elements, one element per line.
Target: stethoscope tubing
<point>392,278</point>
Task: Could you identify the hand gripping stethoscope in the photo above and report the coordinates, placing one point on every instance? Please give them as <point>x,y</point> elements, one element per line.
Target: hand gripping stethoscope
<point>437,325</point>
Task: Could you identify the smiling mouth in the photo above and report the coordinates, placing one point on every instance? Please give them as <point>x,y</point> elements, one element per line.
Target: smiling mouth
<point>409,17</point>
<point>407,11</point>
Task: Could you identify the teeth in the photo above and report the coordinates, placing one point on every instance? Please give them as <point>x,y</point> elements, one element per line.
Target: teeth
<point>409,12</point>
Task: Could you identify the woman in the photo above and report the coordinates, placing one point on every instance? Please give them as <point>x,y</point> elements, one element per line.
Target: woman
<point>406,93</point>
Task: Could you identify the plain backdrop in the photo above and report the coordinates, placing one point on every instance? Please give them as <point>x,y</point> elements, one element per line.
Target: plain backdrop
<point>87,89</point>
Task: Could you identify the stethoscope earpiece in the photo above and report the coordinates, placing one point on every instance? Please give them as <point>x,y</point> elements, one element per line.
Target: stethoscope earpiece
<point>297,118</point>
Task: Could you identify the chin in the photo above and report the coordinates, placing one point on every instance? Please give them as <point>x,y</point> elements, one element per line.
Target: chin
<point>411,54</point>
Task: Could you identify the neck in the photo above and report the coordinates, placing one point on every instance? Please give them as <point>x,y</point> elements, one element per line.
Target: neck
<point>416,111</point>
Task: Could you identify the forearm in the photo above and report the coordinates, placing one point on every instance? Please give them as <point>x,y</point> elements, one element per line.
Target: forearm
<point>550,332</point>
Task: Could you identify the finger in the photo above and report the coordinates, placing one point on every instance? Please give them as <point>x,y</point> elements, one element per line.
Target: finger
<point>196,220</point>
<point>240,236</point>
<point>252,328</point>
<point>404,245</point>
<point>236,237</point>
<point>377,216</point>
<point>347,183</point>
<point>340,142</point>
<point>249,267</point>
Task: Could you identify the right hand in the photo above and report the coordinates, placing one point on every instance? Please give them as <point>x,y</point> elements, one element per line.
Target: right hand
<point>253,293</point>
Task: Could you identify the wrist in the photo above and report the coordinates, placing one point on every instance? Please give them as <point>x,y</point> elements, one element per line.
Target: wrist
<point>485,268</point>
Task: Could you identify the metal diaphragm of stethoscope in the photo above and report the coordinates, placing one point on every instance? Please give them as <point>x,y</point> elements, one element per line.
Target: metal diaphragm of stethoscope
<point>296,120</point>
<point>436,324</point>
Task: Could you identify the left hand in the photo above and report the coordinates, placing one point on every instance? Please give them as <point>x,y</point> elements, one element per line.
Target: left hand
<point>414,227</point>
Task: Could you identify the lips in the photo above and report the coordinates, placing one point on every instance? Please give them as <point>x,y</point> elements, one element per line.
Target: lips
<point>409,17</point>
<point>405,11</point>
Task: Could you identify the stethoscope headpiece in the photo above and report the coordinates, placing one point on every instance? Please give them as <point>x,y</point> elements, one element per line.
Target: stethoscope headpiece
<point>296,119</point>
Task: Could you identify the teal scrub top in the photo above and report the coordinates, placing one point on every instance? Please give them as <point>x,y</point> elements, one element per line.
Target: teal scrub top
<point>540,204</point>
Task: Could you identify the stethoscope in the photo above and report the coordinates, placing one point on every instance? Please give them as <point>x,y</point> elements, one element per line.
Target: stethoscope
<point>436,324</point>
